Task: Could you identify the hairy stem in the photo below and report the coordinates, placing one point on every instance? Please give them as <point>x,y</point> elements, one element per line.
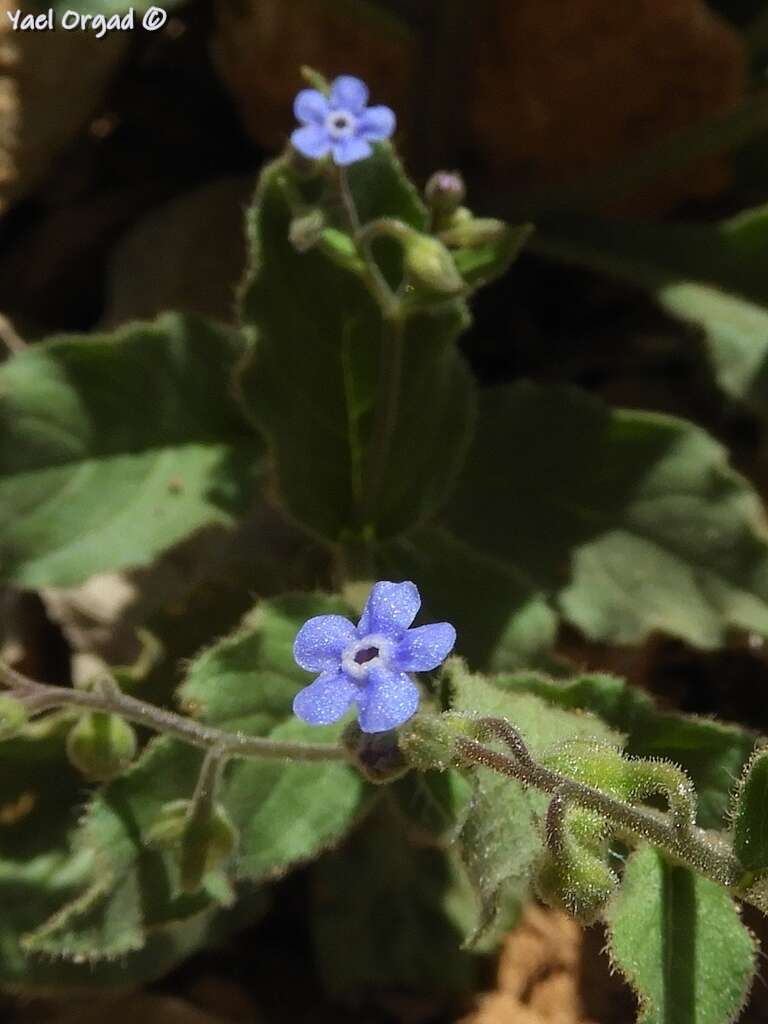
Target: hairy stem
<point>41,697</point>
<point>391,369</point>
<point>689,845</point>
<point>387,408</point>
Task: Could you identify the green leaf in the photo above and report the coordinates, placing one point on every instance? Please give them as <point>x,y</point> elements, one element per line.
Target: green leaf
<point>679,941</point>
<point>40,802</point>
<point>248,680</point>
<point>286,812</point>
<point>132,887</point>
<point>113,447</point>
<point>634,519</point>
<point>317,325</point>
<point>502,620</point>
<point>289,812</point>
<point>711,275</point>
<point>750,815</point>
<point>712,753</point>
<point>391,915</point>
<point>500,837</point>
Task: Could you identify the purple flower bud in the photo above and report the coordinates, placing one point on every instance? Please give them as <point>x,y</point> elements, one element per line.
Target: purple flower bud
<point>368,665</point>
<point>445,191</point>
<point>341,124</point>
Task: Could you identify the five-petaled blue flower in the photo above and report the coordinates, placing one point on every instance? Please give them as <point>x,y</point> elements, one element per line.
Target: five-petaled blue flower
<point>341,124</point>
<point>369,665</point>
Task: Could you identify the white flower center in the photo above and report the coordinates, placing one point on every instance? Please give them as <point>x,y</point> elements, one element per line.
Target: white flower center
<point>340,124</point>
<point>360,657</point>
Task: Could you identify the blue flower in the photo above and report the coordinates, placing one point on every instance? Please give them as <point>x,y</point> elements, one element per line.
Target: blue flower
<point>368,665</point>
<point>341,124</point>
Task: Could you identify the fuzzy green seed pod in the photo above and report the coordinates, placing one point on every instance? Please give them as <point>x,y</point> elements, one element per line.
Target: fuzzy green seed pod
<point>13,717</point>
<point>101,746</point>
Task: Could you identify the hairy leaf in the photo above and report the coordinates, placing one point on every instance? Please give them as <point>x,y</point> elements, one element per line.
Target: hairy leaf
<point>115,446</point>
<point>680,943</point>
<point>500,836</point>
<point>634,519</point>
<point>710,275</point>
<point>248,680</point>
<point>289,812</point>
<point>388,914</point>
<point>502,620</point>
<point>750,822</point>
<point>317,325</point>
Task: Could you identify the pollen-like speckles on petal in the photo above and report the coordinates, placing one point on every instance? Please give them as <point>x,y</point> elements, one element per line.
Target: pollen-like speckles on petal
<point>368,665</point>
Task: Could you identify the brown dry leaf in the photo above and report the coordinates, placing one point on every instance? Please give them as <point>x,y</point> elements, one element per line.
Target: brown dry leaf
<point>50,85</point>
<point>551,972</point>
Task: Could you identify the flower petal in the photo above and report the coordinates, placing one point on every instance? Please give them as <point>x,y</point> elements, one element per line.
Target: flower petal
<point>320,642</point>
<point>311,107</point>
<point>376,123</point>
<point>326,700</point>
<point>389,699</point>
<point>390,608</point>
<point>349,151</point>
<point>424,648</point>
<point>311,141</point>
<point>349,93</point>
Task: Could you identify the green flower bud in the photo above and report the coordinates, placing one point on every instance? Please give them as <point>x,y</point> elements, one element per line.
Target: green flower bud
<point>306,231</point>
<point>166,830</point>
<point>101,746</point>
<point>430,266</point>
<point>13,717</point>
<point>201,843</point>
<point>427,741</point>
<point>445,192</point>
<point>206,843</point>
<point>579,883</point>
<point>595,764</point>
<point>474,232</point>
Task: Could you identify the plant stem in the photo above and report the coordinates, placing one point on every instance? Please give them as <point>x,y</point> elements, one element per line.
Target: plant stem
<point>387,408</point>
<point>362,236</point>
<point>691,846</point>
<point>391,368</point>
<point>41,697</point>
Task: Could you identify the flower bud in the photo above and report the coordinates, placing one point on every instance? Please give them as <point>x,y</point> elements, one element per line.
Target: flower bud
<point>201,842</point>
<point>430,266</point>
<point>445,192</point>
<point>13,717</point>
<point>101,746</point>
<point>305,231</point>
<point>377,755</point>
<point>428,741</point>
<point>207,841</point>
<point>474,232</point>
<point>578,882</point>
<point>166,830</point>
